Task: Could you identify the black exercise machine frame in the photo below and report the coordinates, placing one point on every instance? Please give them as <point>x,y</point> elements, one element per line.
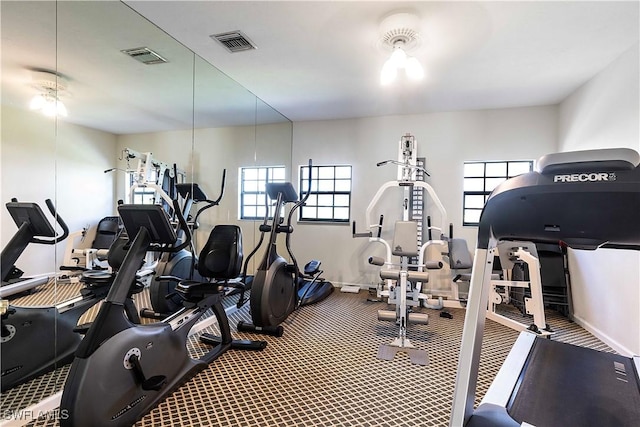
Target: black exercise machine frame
<point>586,200</point>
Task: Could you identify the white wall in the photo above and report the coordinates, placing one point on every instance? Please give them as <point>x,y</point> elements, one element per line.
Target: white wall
<point>605,113</point>
<point>446,140</point>
<point>42,159</point>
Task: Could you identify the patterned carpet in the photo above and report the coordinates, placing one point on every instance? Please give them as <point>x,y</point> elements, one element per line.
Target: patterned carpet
<point>324,372</point>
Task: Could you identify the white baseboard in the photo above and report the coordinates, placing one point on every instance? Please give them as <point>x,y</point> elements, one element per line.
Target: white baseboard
<point>360,285</point>
<point>603,337</point>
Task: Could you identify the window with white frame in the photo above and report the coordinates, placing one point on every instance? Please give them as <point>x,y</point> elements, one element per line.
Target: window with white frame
<point>141,195</point>
<point>330,196</point>
<point>253,190</point>
<point>480,178</point>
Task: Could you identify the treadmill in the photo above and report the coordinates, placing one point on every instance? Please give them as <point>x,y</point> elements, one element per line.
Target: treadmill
<point>587,200</point>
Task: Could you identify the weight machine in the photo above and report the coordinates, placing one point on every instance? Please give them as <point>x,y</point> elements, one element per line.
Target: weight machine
<point>403,280</point>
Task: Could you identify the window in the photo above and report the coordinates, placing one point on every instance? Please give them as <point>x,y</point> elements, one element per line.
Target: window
<point>141,195</point>
<point>330,196</point>
<point>480,178</point>
<point>252,190</point>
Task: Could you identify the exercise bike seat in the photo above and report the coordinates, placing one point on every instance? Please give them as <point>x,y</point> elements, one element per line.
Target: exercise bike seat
<point>194,291</point>
<point>220,260</point>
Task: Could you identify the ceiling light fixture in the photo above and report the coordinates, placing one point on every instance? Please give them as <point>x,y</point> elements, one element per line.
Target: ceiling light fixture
<point>50,87</point>
<point>400,35</point>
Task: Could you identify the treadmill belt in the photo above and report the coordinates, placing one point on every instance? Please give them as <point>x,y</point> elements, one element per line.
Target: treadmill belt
<point>565,385</point>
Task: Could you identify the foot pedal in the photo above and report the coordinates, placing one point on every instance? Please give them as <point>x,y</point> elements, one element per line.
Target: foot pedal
<point>387,316</point>
<point>387,352</point>
<point>416,356</point>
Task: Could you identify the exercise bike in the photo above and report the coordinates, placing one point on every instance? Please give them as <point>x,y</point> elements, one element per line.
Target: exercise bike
<point>33,227</point>
<point>278,287</point>
<point>122,370</point>
<point>36,340</point>
<point>175,266</point>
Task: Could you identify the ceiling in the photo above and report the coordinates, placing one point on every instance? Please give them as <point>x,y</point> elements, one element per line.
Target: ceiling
<point>319,60</point>
<point>315,60</point>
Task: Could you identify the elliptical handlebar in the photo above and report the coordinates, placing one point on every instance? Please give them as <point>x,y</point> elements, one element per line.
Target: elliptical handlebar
<point>224,180</point>
<point>298,204</point>
<point>182,225</point>
<point>212,203</point>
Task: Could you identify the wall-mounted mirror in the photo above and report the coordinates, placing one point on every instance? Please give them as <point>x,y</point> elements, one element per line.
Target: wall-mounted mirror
<point>70,53</point>
<point>183,111</point>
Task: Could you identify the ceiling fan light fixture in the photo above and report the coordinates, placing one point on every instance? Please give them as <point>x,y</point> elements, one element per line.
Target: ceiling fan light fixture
<point>400,35</point>
<point>50,87</point>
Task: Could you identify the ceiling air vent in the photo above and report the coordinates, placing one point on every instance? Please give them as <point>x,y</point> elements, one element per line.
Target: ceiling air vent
<point>234,41</point>
<point>145,55</point>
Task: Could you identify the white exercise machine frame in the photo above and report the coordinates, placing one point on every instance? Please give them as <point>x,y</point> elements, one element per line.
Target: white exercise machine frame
<point>403,295</point>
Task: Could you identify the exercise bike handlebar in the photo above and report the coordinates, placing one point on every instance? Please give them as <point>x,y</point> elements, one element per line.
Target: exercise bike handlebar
<point>59,220</point>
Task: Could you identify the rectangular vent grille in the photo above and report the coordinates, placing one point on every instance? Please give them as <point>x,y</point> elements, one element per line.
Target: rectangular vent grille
<point>145,55</point>
<point>234,41</point>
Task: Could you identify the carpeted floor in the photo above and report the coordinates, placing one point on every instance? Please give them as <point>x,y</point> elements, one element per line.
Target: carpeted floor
<point>324,372</point>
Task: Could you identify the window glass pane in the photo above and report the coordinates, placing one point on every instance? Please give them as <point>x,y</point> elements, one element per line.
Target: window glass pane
<point>259,211</point>
<point>473,184</point>
<point>325,185</point>
<point>472,215</point>
<point>343,185</point>
<point>474,201</point>
<point>278,174</point>
<point>326,172</point>
<point>493,183</point>
<point>325,200</point>
<point>497,169</point>
<point>304,173</point>
<point>250,173</point>
<point>517,168</point>
<point>309,212</point>
<point>314,173</point>
<point>304,184</point>
<point>325,213</point>
<point>343,172</point>
<point>341,200</point>
<point>341,213</point>
<point>473,169</point>
<point>314,185</point>
<point>250,211</point>
<point>250,186</point>
<point>249,199</point>
<point>312,200</point>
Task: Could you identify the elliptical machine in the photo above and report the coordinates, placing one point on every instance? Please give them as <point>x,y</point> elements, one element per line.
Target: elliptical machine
<point>278,287</point>
<point>122,370</point>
